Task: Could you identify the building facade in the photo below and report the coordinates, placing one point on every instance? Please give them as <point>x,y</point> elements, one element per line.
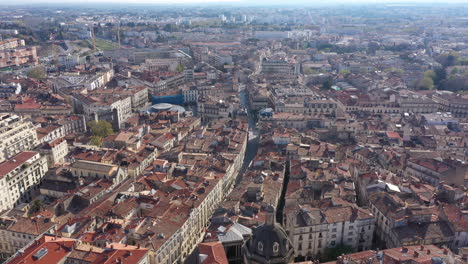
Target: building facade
<point>20,177</point>
<point>17,135</point>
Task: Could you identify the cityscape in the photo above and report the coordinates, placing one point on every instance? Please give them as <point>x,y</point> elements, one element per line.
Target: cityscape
<point>230,132</point>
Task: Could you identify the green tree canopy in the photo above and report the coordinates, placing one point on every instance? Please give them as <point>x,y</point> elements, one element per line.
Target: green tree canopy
<point>430,74</point>
<point>327,85</point>
<point>38,72</point>
<point>36,206</point>
<point>100,128</point>
<point>180,68</point>
<point>97,141</point>
<point>425,83</point>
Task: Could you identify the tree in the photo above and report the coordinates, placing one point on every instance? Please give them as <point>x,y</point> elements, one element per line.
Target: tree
<point>430,74</point>
<point>36,206</point>
<point>441,74</point>
<point>454,83</point>
<point>38,72</point>
<point>100,128</point>
<point>180,68</point>
<point>97,141</point>
<point>448,59</point>
<point>425,83</point>
<point>332,254</point>
<point>327,85</point>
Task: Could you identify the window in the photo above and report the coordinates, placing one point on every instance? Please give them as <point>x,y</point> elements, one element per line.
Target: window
<point>260,247</point>
<point>333,243</point>
<point>275,248</point>
<point>333,236</point>
<point>300,237</point>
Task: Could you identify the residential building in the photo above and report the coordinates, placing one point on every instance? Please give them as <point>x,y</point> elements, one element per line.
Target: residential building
<point>20,177</point>
<point>272,66</point>
<point>312,230</point>
<point>13,52</point>
<point>17,135</point>
<point>435,171</point>
<point>113,108</point>
<point>7,90</point>
<point>55,151</point>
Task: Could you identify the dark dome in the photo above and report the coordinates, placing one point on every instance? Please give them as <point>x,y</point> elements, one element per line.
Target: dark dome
<point>274,240</point>
<point>269,244</point>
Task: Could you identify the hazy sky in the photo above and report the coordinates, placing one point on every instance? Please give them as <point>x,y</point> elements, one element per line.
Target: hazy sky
<point>246,2</point>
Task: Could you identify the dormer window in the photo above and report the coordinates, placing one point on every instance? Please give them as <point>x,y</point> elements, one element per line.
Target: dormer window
<point>275,249</point>
<point>260,247</point>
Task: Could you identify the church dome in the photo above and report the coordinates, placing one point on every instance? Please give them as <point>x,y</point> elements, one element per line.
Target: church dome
<point>269,243</point>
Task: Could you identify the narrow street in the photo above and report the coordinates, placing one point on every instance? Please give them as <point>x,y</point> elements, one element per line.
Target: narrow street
<point>253,140</point>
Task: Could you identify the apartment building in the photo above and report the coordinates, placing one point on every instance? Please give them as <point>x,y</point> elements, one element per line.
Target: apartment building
<point>20,177</point>
<point>190,94</point>
<point>313,230</point>
<point>55,151</point>
<point>17,135</point>
<point>435,171</point>
<point>113,108</point>
<point>418,105</point>
<point>87,81</point>
<point>456,104</point>
<point>13,52</point>
<point>7,90</point>
<point>209,109</point>
<point>278,66</point>
<point>170,82</point>
<point>11,43</point>
<point>401,224</point>
<point>69,61</point>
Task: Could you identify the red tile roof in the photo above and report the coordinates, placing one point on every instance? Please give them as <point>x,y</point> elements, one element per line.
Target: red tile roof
<point>55,250</point>
<point>14,162</point>
<point>214,251</point>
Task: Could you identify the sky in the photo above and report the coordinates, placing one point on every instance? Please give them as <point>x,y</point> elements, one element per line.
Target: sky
<point>243,2</point>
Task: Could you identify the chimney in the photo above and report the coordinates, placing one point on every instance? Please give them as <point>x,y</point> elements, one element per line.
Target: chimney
<point>422,247</point>
<point>270,215</point>
<point>138,246</point>
<point>428,252</point>
<point>416,254</point>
